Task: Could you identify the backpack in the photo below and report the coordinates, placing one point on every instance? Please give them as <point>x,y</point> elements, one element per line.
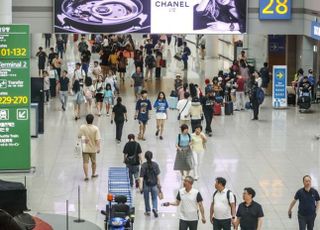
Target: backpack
<point>82,46</point>
<point>260,95</point>
<point>188,51</point>
<point>150,61</point>
<point>179,138</point>
<point>228,197</point>
<point>150,176</point>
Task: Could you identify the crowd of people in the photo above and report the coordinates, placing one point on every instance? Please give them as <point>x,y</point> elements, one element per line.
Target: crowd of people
<point>98,86</point>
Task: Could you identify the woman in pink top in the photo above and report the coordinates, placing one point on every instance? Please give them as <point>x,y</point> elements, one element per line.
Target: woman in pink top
<point>182,90</point>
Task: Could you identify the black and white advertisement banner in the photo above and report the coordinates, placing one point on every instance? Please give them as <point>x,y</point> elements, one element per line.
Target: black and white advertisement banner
<point>151,16</point>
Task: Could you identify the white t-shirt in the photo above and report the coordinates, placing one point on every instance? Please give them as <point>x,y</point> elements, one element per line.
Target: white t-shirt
<point>46,83</point>
<point>222,209</point>
<point>188,208</point>
<point>184,112</point>
<point>79,74</point>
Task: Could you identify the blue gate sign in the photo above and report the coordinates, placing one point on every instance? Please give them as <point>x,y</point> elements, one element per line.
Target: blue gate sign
<point>279,89</point>
<point>275,9</point>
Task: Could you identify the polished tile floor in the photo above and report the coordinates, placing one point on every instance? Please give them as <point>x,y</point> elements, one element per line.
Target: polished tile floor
<point>271,155</point>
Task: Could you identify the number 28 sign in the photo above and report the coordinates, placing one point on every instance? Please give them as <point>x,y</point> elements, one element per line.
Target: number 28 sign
<point>275,9</point>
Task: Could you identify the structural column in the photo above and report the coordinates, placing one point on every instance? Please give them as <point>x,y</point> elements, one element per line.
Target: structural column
<point>212,46</point>
<point>36,42</point>
<point>257,46</point>
<point>6,12</point>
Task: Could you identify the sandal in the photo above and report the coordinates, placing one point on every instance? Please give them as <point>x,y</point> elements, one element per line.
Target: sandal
<point>95,176</point>
<point>86,179</point>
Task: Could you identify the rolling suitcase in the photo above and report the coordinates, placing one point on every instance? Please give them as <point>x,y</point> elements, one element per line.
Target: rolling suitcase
<point>173,101</point>
<point>228,108</point>
<point>217,109</point>
<point>291,99</point>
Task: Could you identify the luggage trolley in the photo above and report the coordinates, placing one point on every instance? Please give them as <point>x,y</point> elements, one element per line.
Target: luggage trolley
<point>119,211</point>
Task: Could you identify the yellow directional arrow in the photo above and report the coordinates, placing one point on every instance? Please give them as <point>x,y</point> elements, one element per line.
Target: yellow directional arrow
<point>280,75</point>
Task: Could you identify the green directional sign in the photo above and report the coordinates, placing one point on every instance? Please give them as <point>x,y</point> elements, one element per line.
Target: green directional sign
<point>14,97</point>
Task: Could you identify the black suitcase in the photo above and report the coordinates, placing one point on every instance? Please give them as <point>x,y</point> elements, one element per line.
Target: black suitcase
<point>228,108</point>
<point>291,99</point>
<point>13,197</point>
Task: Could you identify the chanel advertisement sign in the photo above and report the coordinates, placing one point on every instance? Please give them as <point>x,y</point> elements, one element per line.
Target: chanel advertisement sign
<point>151,16</point>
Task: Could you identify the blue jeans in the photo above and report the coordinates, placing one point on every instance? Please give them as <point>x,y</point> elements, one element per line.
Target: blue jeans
<point>85,67</point>
<point>154,193</point>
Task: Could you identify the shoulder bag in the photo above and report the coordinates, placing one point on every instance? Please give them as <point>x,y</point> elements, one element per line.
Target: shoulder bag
<point>179,115</point>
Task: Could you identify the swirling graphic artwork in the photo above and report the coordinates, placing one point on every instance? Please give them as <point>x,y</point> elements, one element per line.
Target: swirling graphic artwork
<point>90,16</point>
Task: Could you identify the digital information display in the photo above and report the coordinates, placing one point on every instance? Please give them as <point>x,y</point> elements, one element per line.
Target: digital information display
<point>14,97</point>
<point>275,9</point>
<point>151,16</point>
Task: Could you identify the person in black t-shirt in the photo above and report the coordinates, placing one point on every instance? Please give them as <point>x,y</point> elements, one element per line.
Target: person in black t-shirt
<point>250,213</point>
<point>85,59</point>
<point>42,56</point>
<point>308,204</point>
<point>51,56</point>
<point>119,116</point>
<point>132,158</point>
<point>150,183</point>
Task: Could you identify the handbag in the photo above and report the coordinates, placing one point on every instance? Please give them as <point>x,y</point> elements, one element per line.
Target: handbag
<point>80,98</point>
<point>179,115</point>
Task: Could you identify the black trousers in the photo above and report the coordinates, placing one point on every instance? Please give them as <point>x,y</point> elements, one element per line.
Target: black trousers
<point>222,224</point>
<point>185,65</point>
<point>52,87</point>
<point>46,95</point>
<point>119,128</point>
<point>185,225</point>
<point>194,124</point>
<point>158,72</point>
<point>306,222</point>
<point>47,42</point>
<point>255,108</point>
<point>208,116</point>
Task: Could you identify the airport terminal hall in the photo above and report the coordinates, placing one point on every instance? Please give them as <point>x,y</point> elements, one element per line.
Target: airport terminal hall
<point>159,114</point>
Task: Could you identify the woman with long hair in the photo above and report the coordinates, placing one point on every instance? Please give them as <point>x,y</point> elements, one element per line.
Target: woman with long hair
<point>184,158</point>
<point>220,15</point>
<point>150,183</point>
<point>161,106</point>
<point>99,94</point>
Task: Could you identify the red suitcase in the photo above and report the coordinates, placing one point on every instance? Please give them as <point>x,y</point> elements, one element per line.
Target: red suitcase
<point>217,109</point>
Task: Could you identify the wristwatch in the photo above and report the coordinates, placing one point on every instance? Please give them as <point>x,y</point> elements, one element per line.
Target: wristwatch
<point>233,217</point>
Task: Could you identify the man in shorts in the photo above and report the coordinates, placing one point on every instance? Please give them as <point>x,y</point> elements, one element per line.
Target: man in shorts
<point>90,139</point>
<point>137,79</point>
<point>143,106</point>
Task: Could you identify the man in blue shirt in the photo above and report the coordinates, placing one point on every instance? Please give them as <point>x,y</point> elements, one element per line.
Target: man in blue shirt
<point>143,106</point>
<point>308,204</point>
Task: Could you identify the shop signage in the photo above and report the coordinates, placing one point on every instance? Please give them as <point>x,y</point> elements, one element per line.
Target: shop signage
<point>275,9</point>
<point>315,30</point>
<point>14,97</point>
<point>279,96</point>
